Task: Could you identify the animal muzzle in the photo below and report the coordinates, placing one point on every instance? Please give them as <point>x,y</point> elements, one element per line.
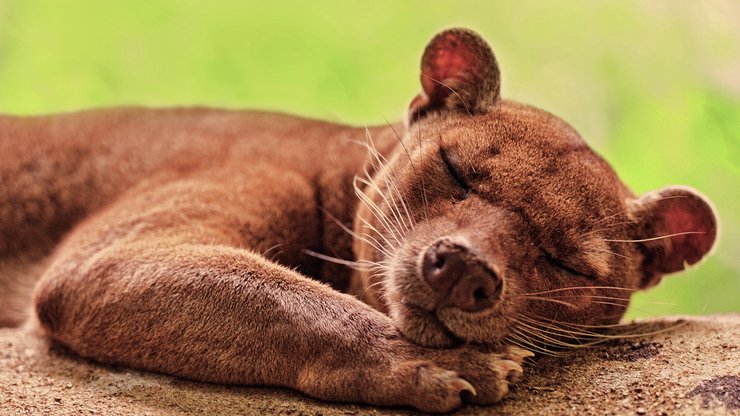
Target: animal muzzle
<point>459,278</point>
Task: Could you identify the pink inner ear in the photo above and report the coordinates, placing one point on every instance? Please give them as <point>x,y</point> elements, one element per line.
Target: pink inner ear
<point>691,247</point>
<point>458,64</point>
<point>449,59</point>
<point>666,213</point>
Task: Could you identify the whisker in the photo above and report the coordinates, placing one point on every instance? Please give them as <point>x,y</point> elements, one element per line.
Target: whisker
<point>425,202</point>
<point>622,212</point>
<point>375,210</point>
<point>598,230</point>
<point>609,298</point>
<point>541,333</point>
<point>451,89</point>
<point>609,252</point>
<point>575,325</point>
<point>608,217</point>
<point>628,335</point>
<point>541,346</point>
<point>591,334</point>
<point>579,331</point>
<point>366,224</point>
<point>654,238</point>
<point>264,253</point>
<point>376,285</point>
<point>588,296</point>
<point>548,300</point>
<point>571,332</point>
<point>390,178</point>
<point>562,289</point>
<point>374,186</point>
<point>600,302</point>
<point>400,141</point>
<point>357,265</point>
<point>364,237</point>
<point>526,343</point>
<point>411,162</point>
<point>391,186</point>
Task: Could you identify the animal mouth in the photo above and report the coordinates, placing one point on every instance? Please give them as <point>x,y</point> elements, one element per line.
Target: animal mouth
<point>429,316</point>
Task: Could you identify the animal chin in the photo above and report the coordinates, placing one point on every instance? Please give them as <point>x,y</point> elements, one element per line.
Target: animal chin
<point>485,327</point>
<point>420,325</point>
<point>447,326</point>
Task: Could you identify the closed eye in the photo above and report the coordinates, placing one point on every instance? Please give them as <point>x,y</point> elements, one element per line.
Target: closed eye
<point>455,173</point>
<point>564,267</point>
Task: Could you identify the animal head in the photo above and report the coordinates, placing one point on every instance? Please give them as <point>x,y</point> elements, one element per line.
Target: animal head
<point>492,217</point>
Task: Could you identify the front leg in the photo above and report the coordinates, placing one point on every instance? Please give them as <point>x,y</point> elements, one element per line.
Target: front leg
<point>431,380</point>
<point>170,291</point>
<point>224,315</point>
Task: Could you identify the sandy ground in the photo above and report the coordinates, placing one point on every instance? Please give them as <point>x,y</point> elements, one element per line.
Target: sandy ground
<point>691,369</point>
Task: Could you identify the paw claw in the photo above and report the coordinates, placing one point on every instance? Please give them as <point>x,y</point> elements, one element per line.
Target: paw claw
<point>512,370</point>
<point>518,354</point>
<point>463,385</point>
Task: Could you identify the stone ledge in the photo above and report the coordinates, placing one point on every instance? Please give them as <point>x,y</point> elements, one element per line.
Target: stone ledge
<point>691,365</point>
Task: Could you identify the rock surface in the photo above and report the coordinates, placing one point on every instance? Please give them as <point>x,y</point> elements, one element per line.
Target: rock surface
<point>682,365</point>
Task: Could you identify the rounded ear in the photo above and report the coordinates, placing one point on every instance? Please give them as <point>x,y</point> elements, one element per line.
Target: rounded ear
<point>677,226</point>
<point>458,73</point>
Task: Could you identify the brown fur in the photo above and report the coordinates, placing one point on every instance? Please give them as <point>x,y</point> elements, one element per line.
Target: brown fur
<point>183,240</point>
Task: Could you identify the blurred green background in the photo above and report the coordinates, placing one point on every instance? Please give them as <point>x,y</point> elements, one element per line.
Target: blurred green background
<point>653,86</point>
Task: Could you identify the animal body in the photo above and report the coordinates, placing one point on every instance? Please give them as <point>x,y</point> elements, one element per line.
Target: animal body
<point>214,245</point>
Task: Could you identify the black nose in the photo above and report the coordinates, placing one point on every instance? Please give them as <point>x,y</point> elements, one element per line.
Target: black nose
<point>459,278</point>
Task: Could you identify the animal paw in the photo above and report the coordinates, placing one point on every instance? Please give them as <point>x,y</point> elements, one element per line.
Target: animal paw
<point>490,374</point>
<point>440,383</point>
<point>433,389</point>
